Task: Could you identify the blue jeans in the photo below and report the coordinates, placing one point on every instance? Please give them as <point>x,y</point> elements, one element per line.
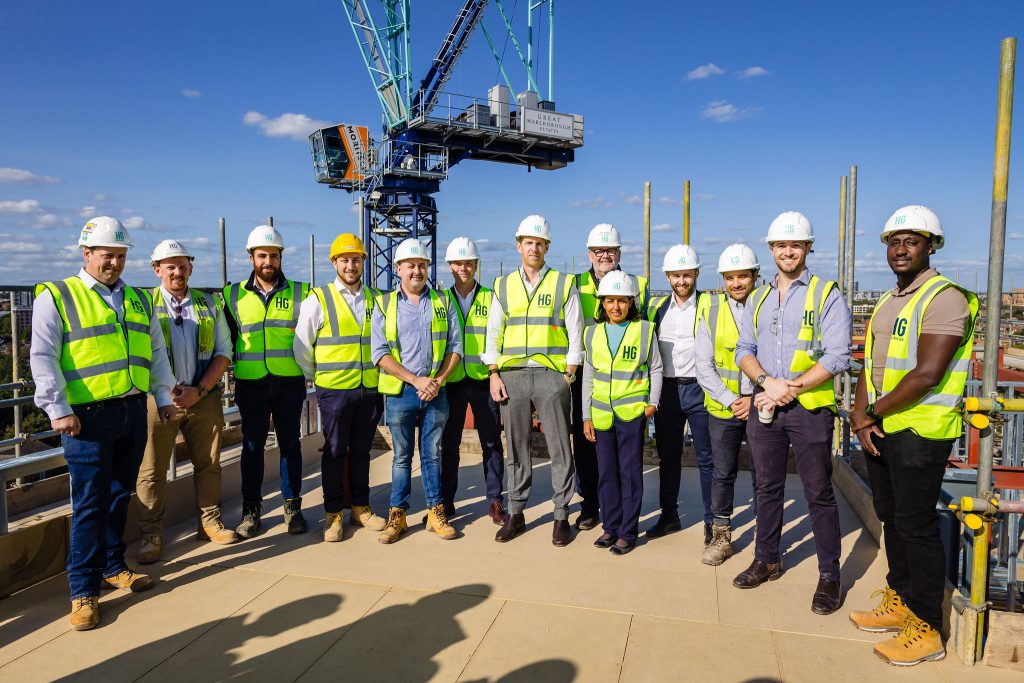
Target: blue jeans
<point>682,403</point>
<point>103,463</point>
<point>257,401</point>
<point>405,413</point>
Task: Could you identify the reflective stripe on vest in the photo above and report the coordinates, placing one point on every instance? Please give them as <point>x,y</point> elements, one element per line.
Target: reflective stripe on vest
<point>589,302</point>
<point>658,306</point>
<point>936,414</point>
<point>389,384</point>
<point>265,332</point>
<point>474,335</point>
<point>622,384</point>
<point>341,350</point>
<point>100,357</point>
<point>724,335</point>
<point>808,346</point>
<point>534,324</point>
<point>204,335</point>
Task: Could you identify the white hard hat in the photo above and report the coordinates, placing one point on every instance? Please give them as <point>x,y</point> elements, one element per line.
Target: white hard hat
<point>534,226</point>
<point>104,231</point>
<point>264,236</point>
<point>170,249</point>
<point>618,283</point>
<point>411,248</point>
<point>790,226</point>
<point>737,257</point>
<point>461,249</point>
<point>680,257</point>
<point>915,218</point>
<point>604,235</point>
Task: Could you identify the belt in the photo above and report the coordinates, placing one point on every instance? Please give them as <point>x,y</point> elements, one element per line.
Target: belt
<point>681,380</point>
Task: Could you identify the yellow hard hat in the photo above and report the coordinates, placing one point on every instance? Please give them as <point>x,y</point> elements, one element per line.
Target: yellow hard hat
<point>346,243</point>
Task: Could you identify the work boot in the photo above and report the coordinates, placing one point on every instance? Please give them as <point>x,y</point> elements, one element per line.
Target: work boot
<point>720,548</point>
<point>333,528</point>
<point>362,515</point>
<point>708,534</point>
<point>497,512</point>
<point>395,527</point>
<point>216,533</point>
<point>128,580</point>
<point>293,516</point>
<point>437,522</point>
<point>917,642</point>
<point>888,616</point>
<point>85,613</point>
<point>149,549</point>
<point>251,523</point>
<point>449,511</point>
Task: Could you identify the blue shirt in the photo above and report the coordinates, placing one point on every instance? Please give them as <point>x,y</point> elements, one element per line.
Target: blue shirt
<point>779,325</point>
<point>414,332</point>
<point>616,331</point>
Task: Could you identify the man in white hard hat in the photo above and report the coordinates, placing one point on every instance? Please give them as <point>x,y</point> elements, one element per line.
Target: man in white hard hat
<point>96,351</point>
<point>794,337</point>
<point>262,314</point>
<point>199,349</point>
<point>332,346</point>
<point>468,386</point>
<point>604,249</point>
<point>682,400</point>
<point>416,342</point>
<point>727,391</point>
<point>534,347</point>
<point>917,351</point>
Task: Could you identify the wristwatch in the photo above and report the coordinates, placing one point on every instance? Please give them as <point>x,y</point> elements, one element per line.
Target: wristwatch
<point>493,371</point>
<point>569,376</point>
<point>870,412</point>
<point>759,381</point>
<point>203,391</point>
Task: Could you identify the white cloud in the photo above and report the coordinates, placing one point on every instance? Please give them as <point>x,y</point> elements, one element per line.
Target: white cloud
<point>753,72</point>
<point>704,196</point>
<point>50,220</point>
<point>1016,236</point>
<point>632,199</point>
<point>715,241</point>
<point>597,203</point>
<point>20,206</point>
<point>672,201</point>
<point>103,197</point>
<point>87,212</point>
<point>23,177</point>
<point>134,223</point>
<point>190,93</point>
<point>707,71</point>
<point>721,111</point>
<point>291,126</point>
<point>661,227</point>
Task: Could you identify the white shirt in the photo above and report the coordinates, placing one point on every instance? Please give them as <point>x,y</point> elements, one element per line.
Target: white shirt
<point>47,342</point>
<point>184,337</point>
<point>465,303</point>
<point>573,325</point>
<point>311,321</point>
<point>675,337</point>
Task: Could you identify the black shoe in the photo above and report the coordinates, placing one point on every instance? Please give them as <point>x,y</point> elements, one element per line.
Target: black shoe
<point>587,520</point>
<point>605,541</point>
<point>250,525</point>
<point>561,534</point>
<point>449,512</point>
<point>293,516</point>
<point>512,527</point>
<point>827,597</point>
<point>664,527</point>
<point>757,573</point>
<point>708,534</point>
<point>622,549</point>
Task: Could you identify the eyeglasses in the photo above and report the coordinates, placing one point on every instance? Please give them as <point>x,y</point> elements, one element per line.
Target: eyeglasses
<point>178,319</point>
<point>605,252</point>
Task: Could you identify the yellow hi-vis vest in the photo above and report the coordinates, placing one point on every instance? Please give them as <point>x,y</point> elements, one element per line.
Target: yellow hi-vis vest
<point>534,325</point>
<point>205,311</point>
<point>724,334</point>
<point>389,384</point>
<point>100,357</point>
<point>265,332</point>
<point>622,384</point>
<point>658,305</point>
<point>808,347</point>
<point>935,416</point>
<point>474,335</point>
<point>590,304</point>
<point>342,351</point>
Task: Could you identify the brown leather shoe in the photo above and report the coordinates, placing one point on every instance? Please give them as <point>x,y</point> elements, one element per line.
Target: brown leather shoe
<point>757,573</point>
<point>561,534</point>
<point>497,513</point>
<point>513,525</point>
<point>827,597</point>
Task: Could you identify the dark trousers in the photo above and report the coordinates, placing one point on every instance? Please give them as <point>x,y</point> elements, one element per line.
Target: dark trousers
<point>474,393</point>
<point>682,403</point>
<point>810,434</point>
<point>257,402</point>
<point>584,455</point>
<point>905,482</point>
<point>103,464</point>
<point>620,480</point>
<point>350,418</point>
<point>727,435</point>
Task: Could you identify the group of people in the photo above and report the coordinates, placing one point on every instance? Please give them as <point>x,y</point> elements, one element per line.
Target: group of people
<point>594,355</point>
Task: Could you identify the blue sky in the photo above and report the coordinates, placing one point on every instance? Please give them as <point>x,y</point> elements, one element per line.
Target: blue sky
<point>138,110</point>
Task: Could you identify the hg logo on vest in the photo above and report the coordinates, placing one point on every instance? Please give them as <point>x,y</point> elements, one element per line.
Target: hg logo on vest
<point>544,300</point>
<point>899,328</point>
<point>440,312</point>
<point>629,353</point>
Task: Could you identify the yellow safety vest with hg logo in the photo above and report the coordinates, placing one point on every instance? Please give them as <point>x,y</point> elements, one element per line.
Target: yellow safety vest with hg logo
<point>622,383</point>
<point>474,335</point>
<point>534,324</point>
<point>724,334</point>
<point>265,332</point>
<point>342,350</point>
<point>204,336</point>
<point>589,302</point>
<point>389,384</point>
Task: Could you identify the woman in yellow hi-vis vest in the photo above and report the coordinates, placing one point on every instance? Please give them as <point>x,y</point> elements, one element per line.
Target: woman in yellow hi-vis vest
<point>917,352</point>
<point>621,389</point>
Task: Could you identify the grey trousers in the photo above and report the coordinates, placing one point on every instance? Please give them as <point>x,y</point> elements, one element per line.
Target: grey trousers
<point>548,391</point>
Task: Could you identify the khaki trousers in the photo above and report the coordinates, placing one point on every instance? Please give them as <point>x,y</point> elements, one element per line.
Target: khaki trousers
<point>201,425</point>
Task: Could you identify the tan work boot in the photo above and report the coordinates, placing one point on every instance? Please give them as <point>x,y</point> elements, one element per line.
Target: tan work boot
<point>362,515</point>
<point>149,549</point>
<point>888,616</point>
<point>437,521</point>
<point>217,533</point>
<point>720,548</point>
<point>917,642</point>
<point>333,528</point>
<point>395,527</point>
<point>130,581</point>
<point>85,613</point>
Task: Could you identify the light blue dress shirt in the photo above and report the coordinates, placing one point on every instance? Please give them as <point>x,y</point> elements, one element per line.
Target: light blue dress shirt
<point>414,332</point>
